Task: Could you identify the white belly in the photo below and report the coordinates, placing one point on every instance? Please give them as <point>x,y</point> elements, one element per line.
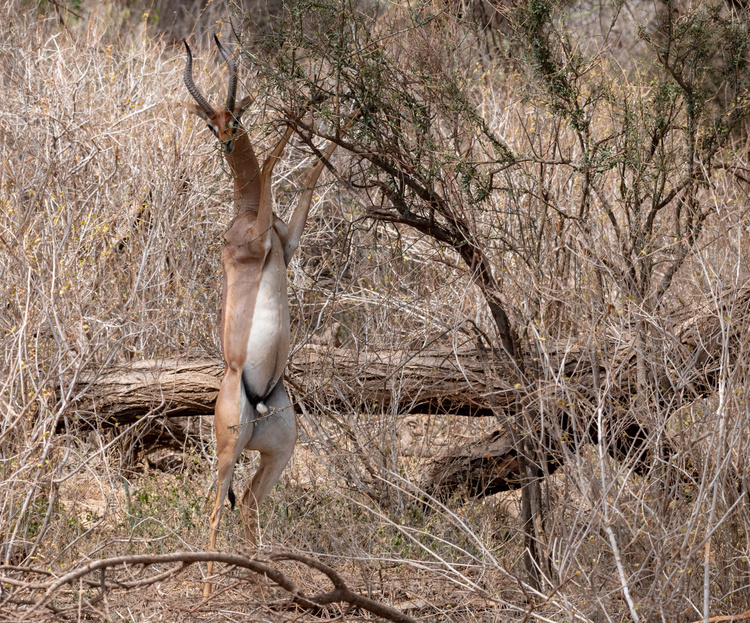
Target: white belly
<point>268,340</point>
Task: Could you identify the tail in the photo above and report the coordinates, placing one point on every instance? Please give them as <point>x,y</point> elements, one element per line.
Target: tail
<point>255,399</point>
<point>231,496</point>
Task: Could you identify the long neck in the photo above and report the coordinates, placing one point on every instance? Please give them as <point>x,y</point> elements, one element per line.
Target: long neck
<point>247,184</point>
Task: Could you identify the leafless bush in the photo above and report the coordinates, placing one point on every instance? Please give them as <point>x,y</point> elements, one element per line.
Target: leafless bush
<point>600,217</point>
<point>625,284</point>
<point>113,210</point>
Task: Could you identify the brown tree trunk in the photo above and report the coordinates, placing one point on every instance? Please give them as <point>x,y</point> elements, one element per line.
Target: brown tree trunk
<point>122,394</point>
<point>440,381</point>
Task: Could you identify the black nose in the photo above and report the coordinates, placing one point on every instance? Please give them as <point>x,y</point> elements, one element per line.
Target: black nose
<point>228,146</point>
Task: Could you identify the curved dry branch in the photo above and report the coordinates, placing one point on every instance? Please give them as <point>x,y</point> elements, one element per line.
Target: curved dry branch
<point>17,595</point>
<point>342,593</point>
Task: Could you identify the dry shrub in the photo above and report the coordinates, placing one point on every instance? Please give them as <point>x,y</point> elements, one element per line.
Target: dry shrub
<point>606,191</point>
<point>114,202</point>
<point>105,229</point>
<point>113,207</point>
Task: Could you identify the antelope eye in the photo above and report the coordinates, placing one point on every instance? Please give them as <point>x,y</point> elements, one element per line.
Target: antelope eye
<point>213,129</point>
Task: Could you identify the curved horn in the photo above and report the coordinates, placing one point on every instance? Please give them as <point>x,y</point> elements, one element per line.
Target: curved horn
<point>192,89</point>
<point>232,66</point>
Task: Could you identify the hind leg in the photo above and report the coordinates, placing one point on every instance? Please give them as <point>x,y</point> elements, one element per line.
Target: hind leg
<point>274,437</point>
<point>226,425</point>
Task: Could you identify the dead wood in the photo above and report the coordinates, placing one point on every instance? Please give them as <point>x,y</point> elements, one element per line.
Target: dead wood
<point>441,380</point>
<point>468,381</point>
<point>432,381</point>
<point>124,393</point>
<point>30,598</point>
<point>606,382</point>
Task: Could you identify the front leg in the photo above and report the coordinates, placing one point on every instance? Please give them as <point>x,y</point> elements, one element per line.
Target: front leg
<point>292,234</point>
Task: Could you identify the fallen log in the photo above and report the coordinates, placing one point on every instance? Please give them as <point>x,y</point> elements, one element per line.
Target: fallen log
<point>123,393</point>
<point>436,381</point>
<point>441,380</point>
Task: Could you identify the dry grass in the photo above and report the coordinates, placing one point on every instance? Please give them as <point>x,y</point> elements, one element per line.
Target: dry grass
<point>113,203</point>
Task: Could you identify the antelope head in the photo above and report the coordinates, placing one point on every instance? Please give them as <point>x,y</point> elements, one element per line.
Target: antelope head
<point>225,124</point>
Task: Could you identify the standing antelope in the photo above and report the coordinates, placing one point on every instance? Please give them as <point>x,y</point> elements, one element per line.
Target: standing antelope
<point>253,410</point>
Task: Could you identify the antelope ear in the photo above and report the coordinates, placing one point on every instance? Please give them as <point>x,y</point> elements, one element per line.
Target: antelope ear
<point>243,105</point>
<point>196,110</point>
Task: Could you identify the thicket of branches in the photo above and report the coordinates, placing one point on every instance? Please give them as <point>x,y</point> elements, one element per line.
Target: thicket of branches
<point>597,216</point>
<point>562,186</point>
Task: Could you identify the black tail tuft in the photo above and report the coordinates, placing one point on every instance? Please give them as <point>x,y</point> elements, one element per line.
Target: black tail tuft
<point>231,497</point>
